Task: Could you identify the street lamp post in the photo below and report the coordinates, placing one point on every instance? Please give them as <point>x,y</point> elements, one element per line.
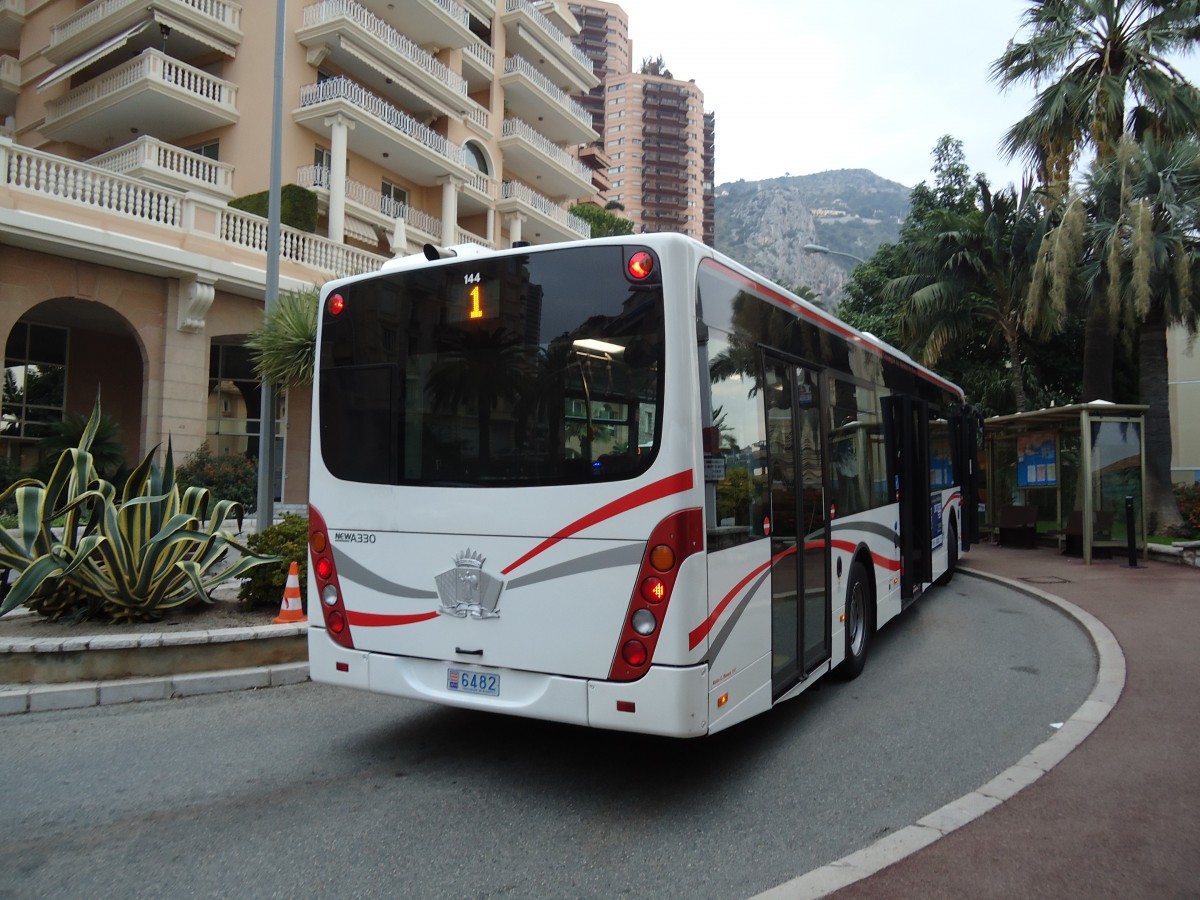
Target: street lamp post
<point>265,513</point>
<point>817,248</point>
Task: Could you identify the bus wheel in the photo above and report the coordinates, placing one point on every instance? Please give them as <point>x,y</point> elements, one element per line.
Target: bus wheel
<point>858,623</point>
<point>951,554</point>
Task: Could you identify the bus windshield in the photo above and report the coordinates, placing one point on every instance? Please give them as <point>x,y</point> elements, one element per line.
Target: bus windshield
<point>523,369</point>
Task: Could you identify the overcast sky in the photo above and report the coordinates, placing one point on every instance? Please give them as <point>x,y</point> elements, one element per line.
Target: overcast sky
<point>802,86</point>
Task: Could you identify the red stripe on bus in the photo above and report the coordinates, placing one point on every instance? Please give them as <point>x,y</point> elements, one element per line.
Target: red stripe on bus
<point>378,620</point>
<point>672,484</point>
<point>700,632</point>
<point>882,562</point>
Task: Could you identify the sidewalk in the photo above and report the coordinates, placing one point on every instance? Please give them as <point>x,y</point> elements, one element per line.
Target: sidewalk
<point>1117,817</point>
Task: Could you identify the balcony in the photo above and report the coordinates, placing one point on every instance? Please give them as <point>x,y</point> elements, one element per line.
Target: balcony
<point>369,213</point>
<point>530,95</point>
<point>478,65</point>
<point>152,94</point>
<point>154,161</point>
<point>94,214</point>
<point>532,157</point>
<point>200,26</point>
<point>548,222</point>
<point>381,130</point>
<point>12,19</point>
<point>531,35</point>
<point>431,23</point>
<point>380,57</point>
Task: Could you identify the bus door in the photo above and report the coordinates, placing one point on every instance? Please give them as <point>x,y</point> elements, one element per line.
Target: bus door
<point>965,427</point>
<point>906,440</point>
<point>799,527</point>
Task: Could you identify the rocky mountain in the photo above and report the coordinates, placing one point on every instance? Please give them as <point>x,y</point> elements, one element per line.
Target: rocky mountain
<point>765,224</point>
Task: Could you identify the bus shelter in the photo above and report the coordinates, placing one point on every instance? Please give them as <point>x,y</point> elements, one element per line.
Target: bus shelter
<point>1068,476</point>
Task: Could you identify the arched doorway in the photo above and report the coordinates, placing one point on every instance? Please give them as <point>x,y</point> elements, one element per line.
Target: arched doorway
<point>57,356</point>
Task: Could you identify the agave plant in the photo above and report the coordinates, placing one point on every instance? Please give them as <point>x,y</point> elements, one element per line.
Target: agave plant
<point>127,558</point>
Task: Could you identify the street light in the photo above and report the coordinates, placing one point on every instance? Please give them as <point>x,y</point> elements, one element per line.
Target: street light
<point>817,248</point>
<point>265,514</point>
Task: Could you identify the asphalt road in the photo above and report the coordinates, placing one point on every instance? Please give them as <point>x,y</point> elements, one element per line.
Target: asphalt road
<point>310,791</point>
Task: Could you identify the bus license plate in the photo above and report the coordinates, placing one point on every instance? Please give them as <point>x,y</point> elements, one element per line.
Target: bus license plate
<point>467,681</point>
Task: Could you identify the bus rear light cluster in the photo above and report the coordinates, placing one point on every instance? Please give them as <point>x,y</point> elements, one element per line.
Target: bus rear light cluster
<point>673,540</point>
<point>325,570</point>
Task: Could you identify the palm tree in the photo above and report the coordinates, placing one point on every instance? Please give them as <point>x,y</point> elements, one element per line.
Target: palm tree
<point>1142,245</point>
<point>284,350</point>
<point>1102,70</point>
<point>970,268</point>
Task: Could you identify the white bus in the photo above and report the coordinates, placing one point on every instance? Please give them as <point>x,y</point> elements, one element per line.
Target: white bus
<point>623,482</point>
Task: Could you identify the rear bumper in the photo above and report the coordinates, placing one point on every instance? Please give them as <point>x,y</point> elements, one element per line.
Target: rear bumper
<point>667,701</point>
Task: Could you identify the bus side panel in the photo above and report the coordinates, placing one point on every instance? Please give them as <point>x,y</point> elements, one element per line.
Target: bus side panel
<point>737,630</point>
<point>746,694</point>
<point>876,530</point>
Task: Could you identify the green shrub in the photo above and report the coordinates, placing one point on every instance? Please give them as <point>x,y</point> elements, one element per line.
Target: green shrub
<point>229,476</point>
<point>85,551</point>
<point>1188,497</point>
<point>297,206</point>
<point>262,587</point>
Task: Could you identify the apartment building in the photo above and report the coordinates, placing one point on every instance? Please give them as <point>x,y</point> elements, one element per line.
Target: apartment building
<point>653,130</point>
<point>130,126</point>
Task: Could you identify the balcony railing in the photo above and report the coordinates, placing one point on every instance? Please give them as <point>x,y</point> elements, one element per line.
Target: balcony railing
<point>328,10</point>
<point>149,65</point>
<point>341,88</point>
<point>482,53</point>
<point>10,73</point>
<point>80,184</point>
<point>155,160</point>
<point>549,27</point>
<point>221,11</point>
<point>525,68</point>
<point>512,190</point>
<point>517,128</point>
<point>373,200</point>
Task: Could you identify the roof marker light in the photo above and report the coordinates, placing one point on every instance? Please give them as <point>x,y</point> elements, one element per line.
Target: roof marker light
<point>336,304</point>
<point>641,264</point>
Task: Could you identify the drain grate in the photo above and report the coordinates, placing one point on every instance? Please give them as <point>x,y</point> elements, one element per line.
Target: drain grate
<point>1046,579</point>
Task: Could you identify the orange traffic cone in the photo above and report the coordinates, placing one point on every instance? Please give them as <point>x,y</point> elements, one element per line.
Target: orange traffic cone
<point>291,610</point>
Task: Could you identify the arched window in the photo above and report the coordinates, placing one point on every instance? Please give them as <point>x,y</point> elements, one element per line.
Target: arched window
<point>475,157</point>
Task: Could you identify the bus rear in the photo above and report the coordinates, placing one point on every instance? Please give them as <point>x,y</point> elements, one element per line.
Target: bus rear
<point>505,506</point>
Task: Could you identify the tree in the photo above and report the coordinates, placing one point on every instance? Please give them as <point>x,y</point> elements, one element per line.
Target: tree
<point>971,268</point>
<point>604,223</point>
<point>284,350</point>
<point>1140,252</point>
<point>655,66</point>
<point>1095,57</point>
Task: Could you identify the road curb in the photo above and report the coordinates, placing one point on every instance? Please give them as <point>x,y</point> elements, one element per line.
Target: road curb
<point>1110,681</point>
<point>80,695</point>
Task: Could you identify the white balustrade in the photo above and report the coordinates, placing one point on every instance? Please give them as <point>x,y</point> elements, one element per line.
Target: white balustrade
<point>43,174</point>
<point>153,157</point>
<point>527,8</point>
<point>221,11</point>
<point>328,10</point>
<point>150,65</point>
<point>513,190</point>
<point>525,67</point>
<point>517,128</point>
<point>341,88</point>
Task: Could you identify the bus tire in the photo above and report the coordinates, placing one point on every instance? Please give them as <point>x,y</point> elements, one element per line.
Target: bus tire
<point>951,554</point>
<point>858,622</point>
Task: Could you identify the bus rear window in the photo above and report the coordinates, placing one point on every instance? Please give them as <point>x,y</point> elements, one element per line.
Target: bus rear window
<point>537,368</point>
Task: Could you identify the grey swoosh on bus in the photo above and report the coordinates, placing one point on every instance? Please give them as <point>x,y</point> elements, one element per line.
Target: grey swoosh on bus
<point>628,555</point>
<point>351,570</point>
<point>868,527</point>
<point>714,647</point>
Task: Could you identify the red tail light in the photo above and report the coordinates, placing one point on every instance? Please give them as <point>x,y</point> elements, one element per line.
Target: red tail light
<point>674,539</point>
<point>329,591</point>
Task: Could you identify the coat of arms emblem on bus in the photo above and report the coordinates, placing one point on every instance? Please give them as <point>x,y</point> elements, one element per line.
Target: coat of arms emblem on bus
<point>467,590</point>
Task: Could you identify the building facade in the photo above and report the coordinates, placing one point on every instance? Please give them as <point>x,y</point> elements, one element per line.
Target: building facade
<point>131,128</point>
